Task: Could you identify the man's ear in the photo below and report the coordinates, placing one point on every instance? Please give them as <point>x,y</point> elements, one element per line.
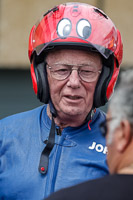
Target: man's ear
<point>123,136</point>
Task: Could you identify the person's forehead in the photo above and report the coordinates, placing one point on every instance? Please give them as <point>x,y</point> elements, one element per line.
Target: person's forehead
<point>72,53</point>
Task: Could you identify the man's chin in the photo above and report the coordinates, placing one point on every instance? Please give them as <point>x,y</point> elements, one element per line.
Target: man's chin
<point>72,111</point>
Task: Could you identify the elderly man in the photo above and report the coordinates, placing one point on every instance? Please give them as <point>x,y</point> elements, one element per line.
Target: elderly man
<point>75,53</point>
<point>118,129</point>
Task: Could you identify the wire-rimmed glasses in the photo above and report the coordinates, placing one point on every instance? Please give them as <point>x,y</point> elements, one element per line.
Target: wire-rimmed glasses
<point>86,73</point>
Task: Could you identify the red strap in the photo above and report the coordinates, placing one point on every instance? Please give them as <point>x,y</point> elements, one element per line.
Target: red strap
<point>89,125</point>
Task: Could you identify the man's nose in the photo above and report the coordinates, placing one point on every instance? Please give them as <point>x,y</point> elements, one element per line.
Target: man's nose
<point>74,79</point>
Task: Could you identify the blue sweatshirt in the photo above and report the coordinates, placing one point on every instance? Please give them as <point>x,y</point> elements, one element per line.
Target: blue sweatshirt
<point>79,154</point>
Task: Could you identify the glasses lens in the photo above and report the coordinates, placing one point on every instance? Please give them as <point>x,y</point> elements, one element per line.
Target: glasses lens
<point>60,72</point>
<point>88,73</point>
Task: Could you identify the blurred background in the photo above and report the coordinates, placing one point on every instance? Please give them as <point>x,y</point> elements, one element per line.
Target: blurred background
<point>16,20</point>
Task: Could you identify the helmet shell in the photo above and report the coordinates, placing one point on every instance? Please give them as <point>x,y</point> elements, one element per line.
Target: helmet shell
<point>82,26</point>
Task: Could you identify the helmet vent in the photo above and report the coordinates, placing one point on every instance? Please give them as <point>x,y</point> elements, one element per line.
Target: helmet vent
<point>75,8</point>
<point>100,13</point>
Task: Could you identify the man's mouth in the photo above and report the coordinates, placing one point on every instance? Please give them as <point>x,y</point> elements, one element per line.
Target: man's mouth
<point>73,97</point>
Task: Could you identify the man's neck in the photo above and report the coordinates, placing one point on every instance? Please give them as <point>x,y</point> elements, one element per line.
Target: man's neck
<point>126,162</point>
<point>63,120</point>
<point>126,170</point>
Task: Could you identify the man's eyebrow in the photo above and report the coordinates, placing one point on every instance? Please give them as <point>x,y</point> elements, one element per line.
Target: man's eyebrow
<point>82,64</point>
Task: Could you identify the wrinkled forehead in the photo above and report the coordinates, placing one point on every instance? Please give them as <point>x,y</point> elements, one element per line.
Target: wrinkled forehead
<point>72,56</point>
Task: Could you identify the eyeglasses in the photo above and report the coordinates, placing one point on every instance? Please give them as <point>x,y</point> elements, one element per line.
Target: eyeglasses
<point>86,73</point>
<point>103,126</point>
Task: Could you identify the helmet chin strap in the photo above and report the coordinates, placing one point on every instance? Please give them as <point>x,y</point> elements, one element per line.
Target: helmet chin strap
<point>44,159</point>
<point>90,115</point>
<point>52,109</point>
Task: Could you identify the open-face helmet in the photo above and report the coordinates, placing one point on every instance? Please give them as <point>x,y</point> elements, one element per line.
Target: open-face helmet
<point>76,26</point>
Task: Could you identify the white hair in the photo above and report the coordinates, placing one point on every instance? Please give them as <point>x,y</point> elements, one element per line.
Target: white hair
<point>121,104</point>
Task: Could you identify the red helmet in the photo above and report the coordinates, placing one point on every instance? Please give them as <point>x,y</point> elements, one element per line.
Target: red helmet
<point>76,25</point>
